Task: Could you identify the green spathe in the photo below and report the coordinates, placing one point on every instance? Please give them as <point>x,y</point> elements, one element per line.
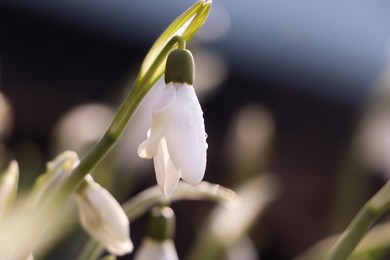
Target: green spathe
<point>180,67</point>
<point>161,225</point>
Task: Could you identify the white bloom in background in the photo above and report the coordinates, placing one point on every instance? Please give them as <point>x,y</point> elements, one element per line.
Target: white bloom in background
<point>177,138</point>
<point>8,187</point>
<point>103,218</point>
<point>156,250</point>
<point>58,170</point>
<point>158,244</point>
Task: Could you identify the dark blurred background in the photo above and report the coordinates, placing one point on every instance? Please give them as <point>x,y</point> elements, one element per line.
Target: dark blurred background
<point>309,65</point>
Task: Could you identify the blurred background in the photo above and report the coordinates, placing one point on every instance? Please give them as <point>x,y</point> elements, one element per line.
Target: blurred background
<point>286,88</point>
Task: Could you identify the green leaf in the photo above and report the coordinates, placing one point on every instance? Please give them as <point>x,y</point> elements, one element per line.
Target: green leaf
<point>186,25</point>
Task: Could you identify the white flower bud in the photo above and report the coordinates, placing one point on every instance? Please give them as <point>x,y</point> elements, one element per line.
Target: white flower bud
<point>103,218</point>
<point>156,250</point>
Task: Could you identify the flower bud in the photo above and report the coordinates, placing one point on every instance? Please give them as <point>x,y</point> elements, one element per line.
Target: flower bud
<point>103,218</point>
<point>161,224</point>
<point>158,245</point>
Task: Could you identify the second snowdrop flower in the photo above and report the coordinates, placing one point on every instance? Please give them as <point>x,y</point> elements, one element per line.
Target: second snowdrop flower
<point>103,218</point>
<point>158,245</point>
<point>177,138</point>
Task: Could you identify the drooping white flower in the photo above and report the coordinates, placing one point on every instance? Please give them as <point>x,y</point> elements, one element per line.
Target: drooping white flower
<point>156,250</point>
<point>177,138</point>
<point>103,218</point>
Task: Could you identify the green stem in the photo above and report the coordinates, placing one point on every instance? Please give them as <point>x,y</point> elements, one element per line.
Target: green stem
<point>352,235</point>
<point>86,165</point>
<point>366,217</point>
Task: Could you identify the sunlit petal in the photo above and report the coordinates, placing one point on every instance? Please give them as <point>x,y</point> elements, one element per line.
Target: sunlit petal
<point>156,250</point>
<point>163,113</point>
<point>166,173</point>
<point>104,219</point>
<point>186,136</point>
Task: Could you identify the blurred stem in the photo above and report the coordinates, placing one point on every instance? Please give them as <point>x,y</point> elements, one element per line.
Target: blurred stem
<point>371,211</point>
<point>351,190</point>
<point>377,240</point>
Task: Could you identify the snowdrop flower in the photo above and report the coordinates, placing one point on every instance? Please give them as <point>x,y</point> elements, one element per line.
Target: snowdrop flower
<point>177,138</point>
<point>158,245</point>
<point>103,218</point>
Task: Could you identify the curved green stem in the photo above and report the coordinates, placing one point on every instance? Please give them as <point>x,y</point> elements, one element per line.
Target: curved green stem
<point>366,217</point>
<point>140,204</point>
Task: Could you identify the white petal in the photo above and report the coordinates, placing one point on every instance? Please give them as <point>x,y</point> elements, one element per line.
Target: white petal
<point>186,136</point>
<point>166,173</point>
<point>154,250</point>
<point>163,112</point>
<point>103,217</point>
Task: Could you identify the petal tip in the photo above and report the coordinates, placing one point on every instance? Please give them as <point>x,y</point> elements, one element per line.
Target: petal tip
<point>193,175</point>
<point>167,190</point>
<point>128,247</point>
<point>144,152</point>
<point>194,180</point>
<point>124,248</point>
